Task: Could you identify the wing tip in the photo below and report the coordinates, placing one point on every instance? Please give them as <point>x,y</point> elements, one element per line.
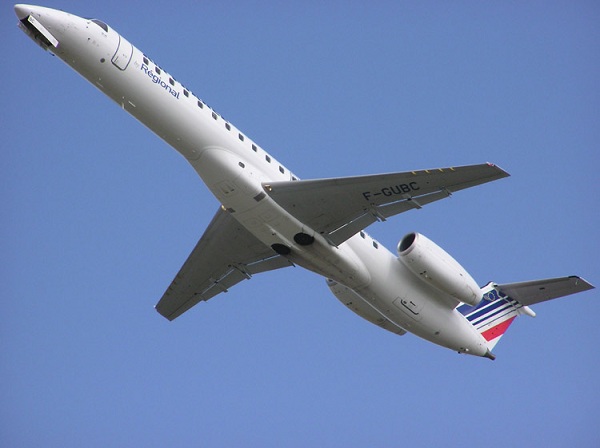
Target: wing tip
<point>501,172</point>
<point>164,313</point>
<point>582,283</point>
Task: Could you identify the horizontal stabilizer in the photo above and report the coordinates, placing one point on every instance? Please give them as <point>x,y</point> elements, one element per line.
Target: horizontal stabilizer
<point>532,292</point>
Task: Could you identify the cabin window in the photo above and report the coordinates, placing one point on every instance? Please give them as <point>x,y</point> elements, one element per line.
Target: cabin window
<point>214,115</point>
<point>228,126</point>
<point>157,69</point>
<point>281,170</point>
<point>186,93</point>
<point>145,59</point>
<point>200,104</point>
<point>267,158</point>
<point>241,137</point>
<point>171,81</point>
<point>362,234</point>
<point>242,164</point>
<point>294,178</point>
<point>375,245</point>
<point>254,148</point>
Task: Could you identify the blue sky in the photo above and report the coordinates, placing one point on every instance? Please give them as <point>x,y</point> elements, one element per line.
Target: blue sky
<point>99,214</point>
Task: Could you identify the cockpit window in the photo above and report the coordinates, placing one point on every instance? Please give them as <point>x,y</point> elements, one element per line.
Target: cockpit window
<point>101,24</point>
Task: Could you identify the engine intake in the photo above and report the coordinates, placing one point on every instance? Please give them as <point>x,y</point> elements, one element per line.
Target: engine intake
<point>435,266</point>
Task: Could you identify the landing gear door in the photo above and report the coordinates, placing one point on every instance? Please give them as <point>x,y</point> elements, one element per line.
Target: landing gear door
<point>123,54</point>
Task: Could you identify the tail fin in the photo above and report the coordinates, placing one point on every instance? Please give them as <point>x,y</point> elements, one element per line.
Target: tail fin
<point>494,314</point>
<point>501,304</point>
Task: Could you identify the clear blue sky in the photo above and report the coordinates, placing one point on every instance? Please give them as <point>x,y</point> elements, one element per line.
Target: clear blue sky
<point>99,214</point>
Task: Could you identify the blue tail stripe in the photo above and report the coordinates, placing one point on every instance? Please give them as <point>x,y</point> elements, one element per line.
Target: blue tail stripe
<point>485,308</point>
<point>508,306</point>
<point>468,309</point>
<point>499,304</point>
<point>498,318</point>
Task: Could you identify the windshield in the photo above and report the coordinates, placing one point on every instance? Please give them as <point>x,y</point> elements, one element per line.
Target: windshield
<point>100,23</point>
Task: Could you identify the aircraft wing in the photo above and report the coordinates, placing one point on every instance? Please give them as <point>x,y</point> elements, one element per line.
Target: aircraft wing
<point>225,255</point>
<point>338,208</point>
<point>530,293</point>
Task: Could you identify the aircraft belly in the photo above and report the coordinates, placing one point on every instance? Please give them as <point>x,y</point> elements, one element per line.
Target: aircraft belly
<point>414,306</point>
<point>363,308</point>
<point>237,184</point>
<point>433,322</point>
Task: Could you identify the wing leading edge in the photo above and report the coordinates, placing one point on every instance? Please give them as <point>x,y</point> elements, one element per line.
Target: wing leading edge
<point>338,208</point>
<point>226,254</point>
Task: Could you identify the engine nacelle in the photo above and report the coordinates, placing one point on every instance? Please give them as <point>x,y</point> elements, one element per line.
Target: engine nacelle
<point>436,267</point>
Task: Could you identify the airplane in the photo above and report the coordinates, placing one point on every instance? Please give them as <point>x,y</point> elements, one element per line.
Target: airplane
<point>270,219</point>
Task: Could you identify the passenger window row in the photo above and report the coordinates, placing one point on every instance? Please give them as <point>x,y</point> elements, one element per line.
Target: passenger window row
<point>215,115</point>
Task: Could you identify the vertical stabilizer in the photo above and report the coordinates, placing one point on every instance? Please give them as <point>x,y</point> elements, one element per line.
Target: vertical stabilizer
<point>494,314</point>
<point>502,303</point>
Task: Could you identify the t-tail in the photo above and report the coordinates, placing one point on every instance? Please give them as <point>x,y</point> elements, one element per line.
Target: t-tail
<point>501,304</point>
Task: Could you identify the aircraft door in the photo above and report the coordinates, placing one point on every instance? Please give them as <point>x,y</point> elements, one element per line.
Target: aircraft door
<point>123,54</point>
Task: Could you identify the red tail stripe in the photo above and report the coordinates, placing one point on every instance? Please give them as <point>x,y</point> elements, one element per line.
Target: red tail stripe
<point>498,330</point>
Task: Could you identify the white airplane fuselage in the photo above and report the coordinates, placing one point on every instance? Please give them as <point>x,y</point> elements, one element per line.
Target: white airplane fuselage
<point>365,276</point>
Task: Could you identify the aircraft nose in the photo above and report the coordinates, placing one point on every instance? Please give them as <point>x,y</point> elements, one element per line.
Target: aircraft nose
<point>23,11</point>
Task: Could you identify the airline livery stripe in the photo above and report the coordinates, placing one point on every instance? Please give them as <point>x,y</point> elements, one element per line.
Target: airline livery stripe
<point>481,327</point>
<point>487,309</point>
<point>498,330</point>
<point>467,309</point>
<point>484,310</point>
<point>509,306</point>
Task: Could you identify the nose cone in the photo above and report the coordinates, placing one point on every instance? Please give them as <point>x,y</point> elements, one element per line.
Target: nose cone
<point>22,11</point>
<point>39,12</point>
<point>43,25</point>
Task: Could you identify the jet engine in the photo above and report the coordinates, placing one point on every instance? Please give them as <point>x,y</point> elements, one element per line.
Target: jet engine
<point>436,267</point>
